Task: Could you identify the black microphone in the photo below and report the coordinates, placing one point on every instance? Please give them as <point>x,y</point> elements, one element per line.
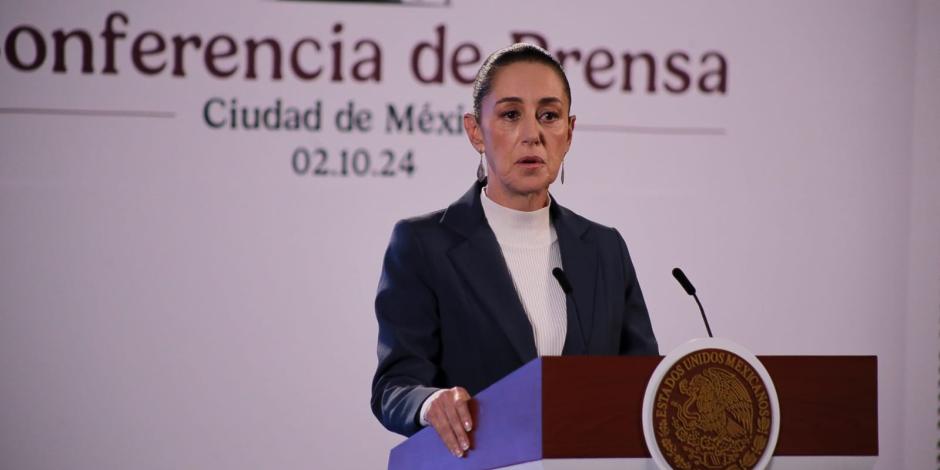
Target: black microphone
<point>565,284</point>
<point>690,289</point>
<point>562,280</point>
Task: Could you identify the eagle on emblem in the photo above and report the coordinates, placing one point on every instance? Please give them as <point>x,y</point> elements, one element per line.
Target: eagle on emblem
<point>718,404</point>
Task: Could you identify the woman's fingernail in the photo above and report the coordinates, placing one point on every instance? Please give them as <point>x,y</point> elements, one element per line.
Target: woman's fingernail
<point>457,453</point>
<point>464,445</point>
<point>466,426</point>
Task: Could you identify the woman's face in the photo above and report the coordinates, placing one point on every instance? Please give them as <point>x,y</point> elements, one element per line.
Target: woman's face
<point>525,131</point>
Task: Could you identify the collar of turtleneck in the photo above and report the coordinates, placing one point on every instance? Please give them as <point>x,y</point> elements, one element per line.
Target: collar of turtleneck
<point>519,228</point>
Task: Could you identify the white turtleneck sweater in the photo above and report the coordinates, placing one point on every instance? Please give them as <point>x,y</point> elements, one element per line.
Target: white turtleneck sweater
<point>530,248</point>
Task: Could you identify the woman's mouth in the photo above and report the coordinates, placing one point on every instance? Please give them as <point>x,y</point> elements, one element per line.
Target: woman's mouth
<point>530,160</point>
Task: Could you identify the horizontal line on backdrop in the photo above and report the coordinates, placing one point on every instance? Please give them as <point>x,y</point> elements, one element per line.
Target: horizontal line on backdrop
<point>651,129</point>
<point>411,3</point>
<point>89,112</point>
<point>170,115</point>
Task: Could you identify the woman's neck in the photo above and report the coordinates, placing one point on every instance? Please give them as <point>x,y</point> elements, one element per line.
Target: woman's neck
<point>521,202</point>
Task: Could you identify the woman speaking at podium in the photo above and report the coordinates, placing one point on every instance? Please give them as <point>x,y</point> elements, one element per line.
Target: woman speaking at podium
<point>505,274</point>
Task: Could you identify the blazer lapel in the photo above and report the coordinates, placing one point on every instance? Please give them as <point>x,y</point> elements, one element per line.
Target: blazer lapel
<point>480,262</point>
<point>579,260</point>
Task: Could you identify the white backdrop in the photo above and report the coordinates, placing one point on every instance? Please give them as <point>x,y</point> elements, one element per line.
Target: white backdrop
<point>174,295</point>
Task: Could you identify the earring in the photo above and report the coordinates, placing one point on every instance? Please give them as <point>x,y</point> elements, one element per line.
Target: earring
<point>562,172</point>
<point>481,173</point>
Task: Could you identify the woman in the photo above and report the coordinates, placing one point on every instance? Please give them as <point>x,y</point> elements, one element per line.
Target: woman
<point>467,294</point>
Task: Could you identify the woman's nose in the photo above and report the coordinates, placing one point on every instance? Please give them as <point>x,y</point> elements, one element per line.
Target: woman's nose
<point>531,132</point>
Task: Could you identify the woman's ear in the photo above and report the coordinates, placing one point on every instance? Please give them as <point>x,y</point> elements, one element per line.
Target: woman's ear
<point>474,132</point>
<point>571,127</point>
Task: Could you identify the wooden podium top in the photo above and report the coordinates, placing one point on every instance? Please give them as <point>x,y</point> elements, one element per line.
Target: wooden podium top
<point>591,407</point>
<point>828,405</point>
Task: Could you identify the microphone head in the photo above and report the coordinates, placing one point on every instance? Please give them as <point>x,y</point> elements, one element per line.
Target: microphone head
<point>562,280</point>
<point>684,281</point>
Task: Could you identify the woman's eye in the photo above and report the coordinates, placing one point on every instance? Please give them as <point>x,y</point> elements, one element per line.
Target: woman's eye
<point>550,116</point>
<point>511,114</point>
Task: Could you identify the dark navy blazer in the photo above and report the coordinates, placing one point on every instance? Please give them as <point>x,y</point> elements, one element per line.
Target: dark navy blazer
<point>448,313</point>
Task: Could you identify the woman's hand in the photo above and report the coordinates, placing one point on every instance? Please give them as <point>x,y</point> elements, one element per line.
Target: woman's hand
<point>449,413</point>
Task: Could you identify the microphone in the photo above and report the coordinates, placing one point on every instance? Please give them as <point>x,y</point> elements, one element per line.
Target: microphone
<point>565,284</point>
<point>562,280</point>
<point>690,289</point>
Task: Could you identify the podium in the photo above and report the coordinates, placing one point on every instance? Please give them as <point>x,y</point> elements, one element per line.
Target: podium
<point>585,412</point>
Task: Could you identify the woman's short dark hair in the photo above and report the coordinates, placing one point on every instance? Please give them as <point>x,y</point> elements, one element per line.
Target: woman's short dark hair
<point>518,52</point>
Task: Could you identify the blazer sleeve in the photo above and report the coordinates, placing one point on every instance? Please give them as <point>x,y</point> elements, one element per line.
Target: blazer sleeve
<point>409,334</point>
<point>636,335</point>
